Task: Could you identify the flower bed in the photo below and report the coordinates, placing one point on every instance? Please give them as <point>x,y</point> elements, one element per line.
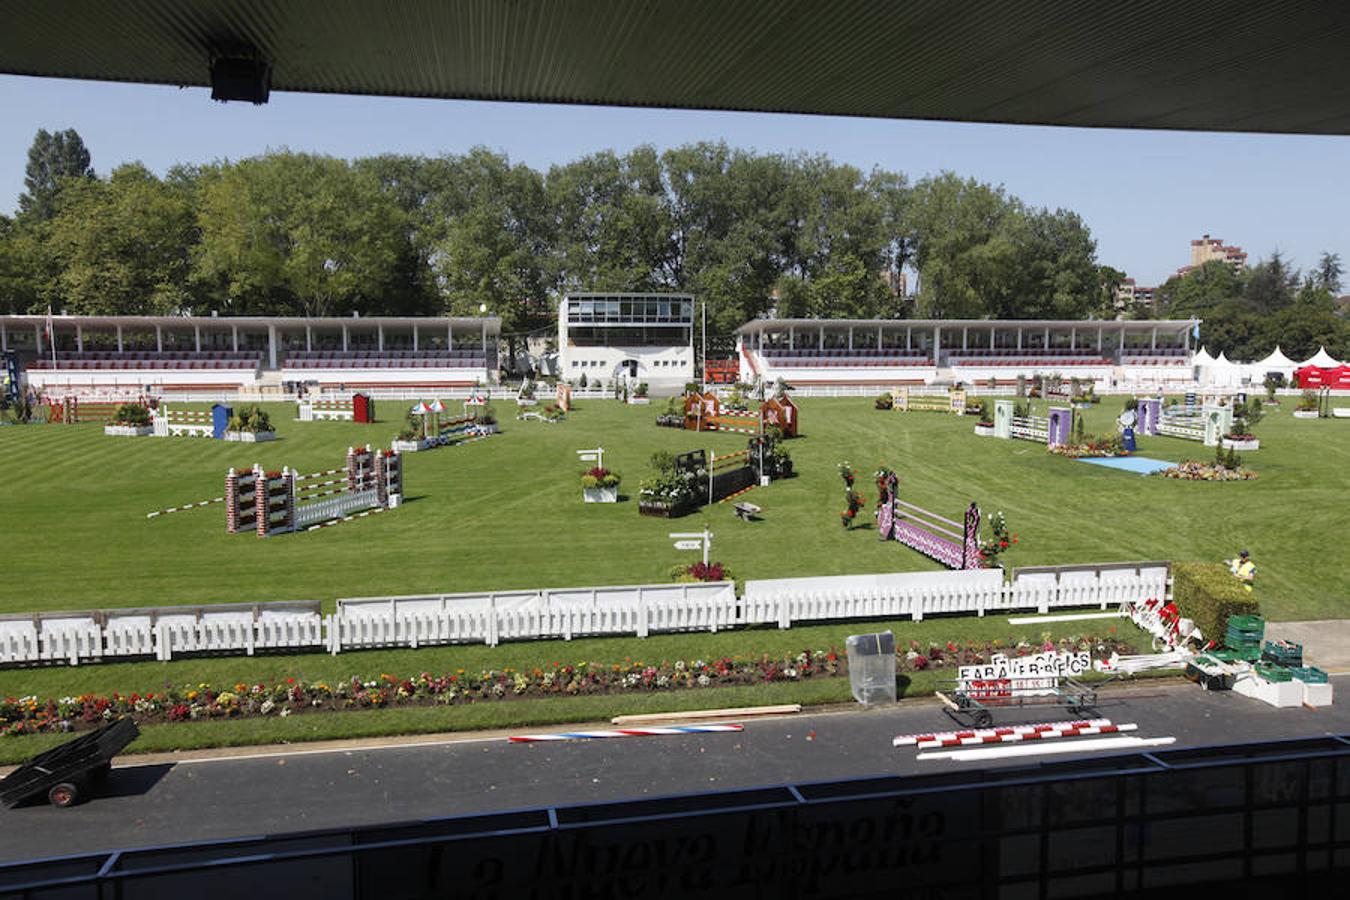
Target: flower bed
<point>701,571</point>
<point>1191,470</point>
<point>985,429</point>
<point>250,437</point>
<point>180,703</point>
<point>1094,446</point>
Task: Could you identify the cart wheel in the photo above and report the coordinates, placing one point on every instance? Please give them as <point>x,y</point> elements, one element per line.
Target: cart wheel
<point>63,794</point>
<point>984,718</point>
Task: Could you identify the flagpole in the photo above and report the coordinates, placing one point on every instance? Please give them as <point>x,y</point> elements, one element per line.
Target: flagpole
<point>51,336</point>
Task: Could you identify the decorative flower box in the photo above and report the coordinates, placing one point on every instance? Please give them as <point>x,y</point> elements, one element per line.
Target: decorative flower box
<point>129,430</point>
<point>601,494</point>
<point>1305,414</point>
<point>659,510</point>
<point>1231,444</point>
<point>250,437</point>
<point>1341,412</point>
<point>640,401</point>
<point>411,446</point>
<point>525,401</point>
<point>487,429</point>
<point>984,430</point>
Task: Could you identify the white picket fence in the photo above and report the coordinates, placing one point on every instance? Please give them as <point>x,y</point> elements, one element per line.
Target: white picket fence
<point>161,632</point>
<point>564,613</point>
<point>334,507</point>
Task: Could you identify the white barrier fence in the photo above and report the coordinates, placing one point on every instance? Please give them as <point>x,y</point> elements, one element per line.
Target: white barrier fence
<point>564,613</point>
<point>160,633</point>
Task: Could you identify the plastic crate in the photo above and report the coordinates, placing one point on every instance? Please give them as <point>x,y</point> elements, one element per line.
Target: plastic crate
<point>1247,623</point>
<point>1273,673</point>
<point>1284,653</point>
<point>1308,674</point>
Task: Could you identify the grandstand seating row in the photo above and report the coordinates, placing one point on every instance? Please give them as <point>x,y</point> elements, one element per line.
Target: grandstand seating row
<point>348,355</point>
<point>816,362</point>
<point>145,364</point>
<point>839,352</point>
<point>1004,361</point>
<point>252,355</point>
<point>479,362</point>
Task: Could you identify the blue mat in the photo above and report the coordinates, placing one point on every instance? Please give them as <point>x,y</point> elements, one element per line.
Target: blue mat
<point>1140,465</point>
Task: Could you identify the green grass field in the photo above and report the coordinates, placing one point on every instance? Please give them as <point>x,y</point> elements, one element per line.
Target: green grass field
<point>507,513</point>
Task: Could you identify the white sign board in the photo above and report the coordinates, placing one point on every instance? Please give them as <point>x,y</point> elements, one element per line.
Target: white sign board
<point>1021,676</point>
<point>688,545</point>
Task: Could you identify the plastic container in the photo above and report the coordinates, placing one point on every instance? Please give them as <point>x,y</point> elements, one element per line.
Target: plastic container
<point>1273,673</point>
<point>1284,653</point>
<point>1308,674</point>
<point>871,667</point>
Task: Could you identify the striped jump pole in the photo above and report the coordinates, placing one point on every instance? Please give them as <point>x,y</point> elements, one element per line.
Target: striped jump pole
<point>174,509</point>
<point>977,735</point>
<point>658,731</point>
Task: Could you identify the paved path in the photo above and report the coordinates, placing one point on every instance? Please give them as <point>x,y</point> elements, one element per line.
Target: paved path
<point>233,796</point>
<point>1326,644</point>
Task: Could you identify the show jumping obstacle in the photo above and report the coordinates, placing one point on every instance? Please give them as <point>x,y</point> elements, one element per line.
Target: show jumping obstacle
<point>278,502</point>
<point>1052,430</point>
<point>953,402</point>
<point>1209,427</point>
<point>359,408</point>
<point>74,411</point>
<point>703,412</point>
<point>192,423</point>
<point>927,532</point>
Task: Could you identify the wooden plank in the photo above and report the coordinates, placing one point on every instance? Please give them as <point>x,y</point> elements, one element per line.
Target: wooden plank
<point>732,713</point>
<point>951,704</point>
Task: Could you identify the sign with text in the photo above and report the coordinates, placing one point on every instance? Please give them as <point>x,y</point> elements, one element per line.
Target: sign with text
<point>1016,676</point>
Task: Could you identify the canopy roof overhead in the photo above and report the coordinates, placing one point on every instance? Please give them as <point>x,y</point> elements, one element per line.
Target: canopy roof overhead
<point>1276,360</point>
<point>1203,64</point>
<point>1322,359</point>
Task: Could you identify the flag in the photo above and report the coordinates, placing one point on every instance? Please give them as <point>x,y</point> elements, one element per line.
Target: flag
<point>49,322</point>
<point>1195,332</point>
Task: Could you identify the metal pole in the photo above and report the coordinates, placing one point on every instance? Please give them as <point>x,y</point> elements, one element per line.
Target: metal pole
<point>707,543</point>
<point>703,378</point>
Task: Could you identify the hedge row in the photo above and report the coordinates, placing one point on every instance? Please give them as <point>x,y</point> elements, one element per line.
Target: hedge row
<point>1207,594</point>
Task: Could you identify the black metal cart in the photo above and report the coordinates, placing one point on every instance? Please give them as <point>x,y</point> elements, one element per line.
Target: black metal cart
<point>68,773</point>
<point>976,706</point>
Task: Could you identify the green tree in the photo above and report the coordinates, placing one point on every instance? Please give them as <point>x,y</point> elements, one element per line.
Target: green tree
<point>20,267</point>
<point>1200,291</point>
<point>292,233</point>
<point>1328,273</point>
<point>1271,284</point>
<point>121,246</point>
<point>52,158</point>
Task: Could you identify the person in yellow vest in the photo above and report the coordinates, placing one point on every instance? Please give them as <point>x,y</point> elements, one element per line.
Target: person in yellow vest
<point>1243,569</point>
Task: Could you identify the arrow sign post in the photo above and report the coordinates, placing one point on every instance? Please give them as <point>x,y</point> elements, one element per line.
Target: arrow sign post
<point>597,456</point>
<point>694,540</point>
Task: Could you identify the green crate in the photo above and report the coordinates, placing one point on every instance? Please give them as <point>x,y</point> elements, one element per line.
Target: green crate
<point>1285,653</point>
<point>1273,673</point>
<point>1308,674</point>
<point>1247,623</point>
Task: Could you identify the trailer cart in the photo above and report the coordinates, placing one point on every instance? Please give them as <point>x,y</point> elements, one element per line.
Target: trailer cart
<point>68,773</point>
<point>974,703</point>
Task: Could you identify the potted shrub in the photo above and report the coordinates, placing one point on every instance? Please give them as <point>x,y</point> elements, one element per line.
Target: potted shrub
<point>639,396</point>
<point>250,425</point>
<point>885,401</point>
<point>984,422</point>
<point>1245,418</point>
<point>1273,382</point>
<point>130,420</point>
<point>600,485</point>
<point>486,420</point>
<point>412,437</point>
<point>526,395</point>
<point>1306,407</point>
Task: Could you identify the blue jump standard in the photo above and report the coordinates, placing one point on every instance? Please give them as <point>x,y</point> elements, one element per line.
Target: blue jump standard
<point>1141,465</point>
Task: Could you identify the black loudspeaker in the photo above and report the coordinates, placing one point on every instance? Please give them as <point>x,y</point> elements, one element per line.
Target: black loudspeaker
<point>236,78</point>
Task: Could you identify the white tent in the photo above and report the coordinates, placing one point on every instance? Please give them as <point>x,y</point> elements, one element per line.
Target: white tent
<point>1322,359</point>
<point>1275,362</point>
<point>1223,372</point>
<point>1202,358</point>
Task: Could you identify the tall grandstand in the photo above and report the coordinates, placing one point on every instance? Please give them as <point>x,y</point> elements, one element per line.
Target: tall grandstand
<point>897,352</point>
<point>265,354</point>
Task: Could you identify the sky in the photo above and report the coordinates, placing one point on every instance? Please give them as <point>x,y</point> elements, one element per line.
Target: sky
<point>1144,194</point>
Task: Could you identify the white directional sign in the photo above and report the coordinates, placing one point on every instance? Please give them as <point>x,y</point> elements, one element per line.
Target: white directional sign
<point>596,455</point>
<point>694,540</point>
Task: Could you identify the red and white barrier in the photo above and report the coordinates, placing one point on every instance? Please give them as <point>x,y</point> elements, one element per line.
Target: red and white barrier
<point>1013,732</point>
<point>174,509</point>
<point>659,731</point>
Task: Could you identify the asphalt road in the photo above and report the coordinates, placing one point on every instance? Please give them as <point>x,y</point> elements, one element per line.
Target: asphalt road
<point>170,803</point>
